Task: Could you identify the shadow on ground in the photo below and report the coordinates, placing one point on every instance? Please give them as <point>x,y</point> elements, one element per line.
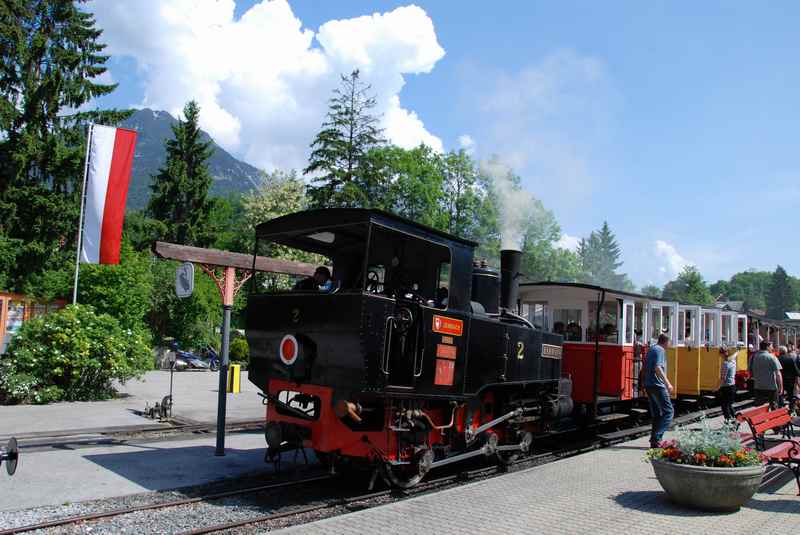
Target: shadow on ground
<point>155,468</point>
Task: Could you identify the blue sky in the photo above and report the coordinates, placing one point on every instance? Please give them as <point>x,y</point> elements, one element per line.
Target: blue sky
<point>673,122</point>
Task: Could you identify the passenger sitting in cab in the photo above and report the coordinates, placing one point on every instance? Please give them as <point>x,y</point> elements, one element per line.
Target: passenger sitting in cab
<point>321,281</point>
<point>442,296</point>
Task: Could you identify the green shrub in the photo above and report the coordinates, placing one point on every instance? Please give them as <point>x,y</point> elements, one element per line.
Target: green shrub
<point>73,355</point>
<point>239,351</point>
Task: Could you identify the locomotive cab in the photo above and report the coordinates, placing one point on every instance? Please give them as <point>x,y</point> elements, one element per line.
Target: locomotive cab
<point>394,365</point>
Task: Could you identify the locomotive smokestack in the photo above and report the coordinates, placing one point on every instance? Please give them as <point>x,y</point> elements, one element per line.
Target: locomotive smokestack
<point>509,278</point>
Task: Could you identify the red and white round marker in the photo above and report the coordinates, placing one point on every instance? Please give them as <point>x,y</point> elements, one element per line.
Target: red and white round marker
<point>288,349</point>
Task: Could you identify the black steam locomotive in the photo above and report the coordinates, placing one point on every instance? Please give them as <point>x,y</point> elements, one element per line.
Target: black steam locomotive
<point>413,359</point>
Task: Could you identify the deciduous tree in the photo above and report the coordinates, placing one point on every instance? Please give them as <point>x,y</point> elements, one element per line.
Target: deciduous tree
<point>688,287</point>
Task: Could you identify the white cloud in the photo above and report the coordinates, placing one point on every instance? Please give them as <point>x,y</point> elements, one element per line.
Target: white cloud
<point>262,81</point>
<point>466,142</point>
<point>674,262</point>
<point>568,242</point>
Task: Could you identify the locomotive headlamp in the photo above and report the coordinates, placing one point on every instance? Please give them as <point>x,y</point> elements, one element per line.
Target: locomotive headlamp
<point>288,349</point>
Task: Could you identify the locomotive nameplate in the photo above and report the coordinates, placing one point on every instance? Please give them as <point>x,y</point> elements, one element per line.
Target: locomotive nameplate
<point>445,325</point>
<point>445,351</point>
<point>444,372</point>
<point>551,351</point>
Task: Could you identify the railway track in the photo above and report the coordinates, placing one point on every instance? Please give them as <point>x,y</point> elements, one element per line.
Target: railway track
<point>310,498</point>
<point>120,435</point>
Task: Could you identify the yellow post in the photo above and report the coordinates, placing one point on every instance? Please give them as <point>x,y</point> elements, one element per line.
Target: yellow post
<point>234,378</point>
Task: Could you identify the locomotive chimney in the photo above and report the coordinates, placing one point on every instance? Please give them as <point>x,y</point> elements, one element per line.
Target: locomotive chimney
<point>509,278</point>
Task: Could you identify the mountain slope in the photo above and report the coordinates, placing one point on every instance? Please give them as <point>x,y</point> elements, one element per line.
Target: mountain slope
<point>154,127</point>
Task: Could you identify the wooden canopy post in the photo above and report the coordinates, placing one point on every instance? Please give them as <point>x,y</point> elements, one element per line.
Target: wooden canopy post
<point>209,260</point>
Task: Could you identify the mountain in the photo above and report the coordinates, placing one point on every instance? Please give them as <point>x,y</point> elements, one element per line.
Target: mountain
<point>154,127</point>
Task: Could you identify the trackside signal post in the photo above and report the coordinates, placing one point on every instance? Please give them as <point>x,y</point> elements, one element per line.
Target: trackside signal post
<point>229,271</point>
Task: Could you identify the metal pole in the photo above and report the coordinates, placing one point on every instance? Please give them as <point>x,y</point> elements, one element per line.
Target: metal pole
<point>596,385</point>
<point>223,380</point>
<point>80,219</point>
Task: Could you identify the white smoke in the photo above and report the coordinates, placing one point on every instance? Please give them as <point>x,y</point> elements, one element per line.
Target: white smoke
<point>515,203</point>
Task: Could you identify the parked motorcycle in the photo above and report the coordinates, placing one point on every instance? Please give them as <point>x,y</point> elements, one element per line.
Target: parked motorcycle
<point>186,360</point>
<point>213,358</point>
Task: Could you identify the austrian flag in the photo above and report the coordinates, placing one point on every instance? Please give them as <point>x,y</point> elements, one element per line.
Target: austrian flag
<point>110,160</point>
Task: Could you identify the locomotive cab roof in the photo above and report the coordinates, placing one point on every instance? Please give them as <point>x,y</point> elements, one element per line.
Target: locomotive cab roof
<point>327,229</point>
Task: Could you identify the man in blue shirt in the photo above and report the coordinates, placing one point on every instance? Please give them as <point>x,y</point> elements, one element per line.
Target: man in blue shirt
<point>658,389</point>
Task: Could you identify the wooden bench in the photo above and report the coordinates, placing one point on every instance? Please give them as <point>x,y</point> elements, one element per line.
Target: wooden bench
<point>786,452</point>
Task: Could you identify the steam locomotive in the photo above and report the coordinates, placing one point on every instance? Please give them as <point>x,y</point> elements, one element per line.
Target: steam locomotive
<point>416,358</point>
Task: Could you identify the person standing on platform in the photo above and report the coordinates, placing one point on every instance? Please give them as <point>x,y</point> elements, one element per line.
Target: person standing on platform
<point>727,383</point>
<point>767,379</point>
<point>658,389</point>
<point>790,372</point>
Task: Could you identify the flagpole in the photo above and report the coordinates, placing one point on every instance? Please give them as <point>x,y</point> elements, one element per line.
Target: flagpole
<point>80,220</point>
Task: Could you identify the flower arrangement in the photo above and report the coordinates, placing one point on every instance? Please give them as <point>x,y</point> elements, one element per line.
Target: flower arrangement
<point>705,446</point>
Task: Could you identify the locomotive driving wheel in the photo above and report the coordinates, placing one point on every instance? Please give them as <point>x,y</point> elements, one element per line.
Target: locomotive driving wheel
<point>506,458</point>
<point>405,476</point>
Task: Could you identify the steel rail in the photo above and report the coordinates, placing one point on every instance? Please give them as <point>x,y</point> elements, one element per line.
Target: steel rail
<point>154,507</point>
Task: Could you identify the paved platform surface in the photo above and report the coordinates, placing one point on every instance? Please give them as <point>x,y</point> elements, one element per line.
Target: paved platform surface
<point>194,394</point>
<point>55,477</point>
<point>607,491</point>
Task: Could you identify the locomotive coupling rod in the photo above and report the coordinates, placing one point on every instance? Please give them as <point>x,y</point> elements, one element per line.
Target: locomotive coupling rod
<point>488,425</point>
<point>456,458</point>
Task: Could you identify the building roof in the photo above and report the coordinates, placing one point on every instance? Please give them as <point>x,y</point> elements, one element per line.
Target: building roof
<point>795,316</point>
<point>737,306</point>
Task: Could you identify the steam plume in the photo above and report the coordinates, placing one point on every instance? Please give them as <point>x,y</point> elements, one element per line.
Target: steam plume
<point>515,203</point>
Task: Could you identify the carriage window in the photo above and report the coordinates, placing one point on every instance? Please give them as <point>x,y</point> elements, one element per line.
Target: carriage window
<point>629,322</point>
<point>638,321</point>
<point>655,322</point>
<point>666,320</point>
<point>681,326</point>
<point>688,325</point>
<point>742,330</point>
<point>609,318</point>
<point>537,314</point>
<point>726,329</point>
<point>567,322</point>
<point>708,328</point>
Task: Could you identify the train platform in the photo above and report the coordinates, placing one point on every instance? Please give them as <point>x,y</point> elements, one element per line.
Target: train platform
<point>610,491</point>
<point>59,476</point>
<point>194,395</point>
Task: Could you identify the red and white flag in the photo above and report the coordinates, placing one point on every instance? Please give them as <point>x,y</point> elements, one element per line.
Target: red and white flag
<point>110,160</point>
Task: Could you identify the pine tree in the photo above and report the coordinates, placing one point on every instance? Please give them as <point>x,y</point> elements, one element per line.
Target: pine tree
<point>50,58</point>
<point>50,61</point>
<point>339,149</point>
<point>599,255</point>
<point>180,190</point>
<point>781,297</point>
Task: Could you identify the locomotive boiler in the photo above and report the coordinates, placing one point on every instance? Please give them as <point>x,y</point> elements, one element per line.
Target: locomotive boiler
<point>413,358</point>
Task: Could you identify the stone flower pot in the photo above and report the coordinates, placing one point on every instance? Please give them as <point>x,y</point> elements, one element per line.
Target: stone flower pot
<point>708,488</point>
